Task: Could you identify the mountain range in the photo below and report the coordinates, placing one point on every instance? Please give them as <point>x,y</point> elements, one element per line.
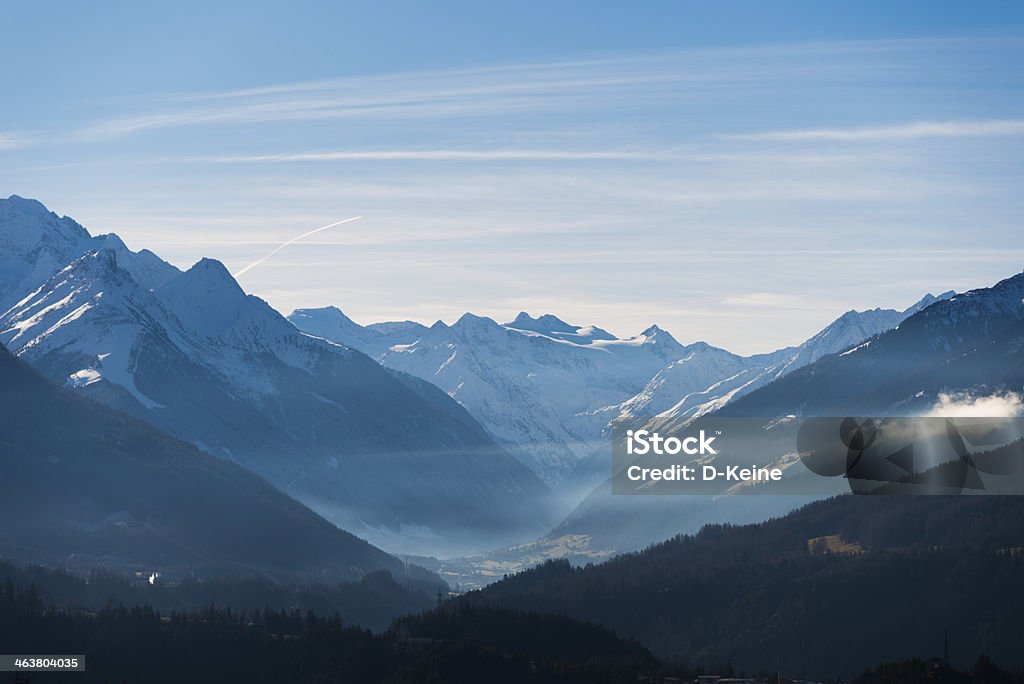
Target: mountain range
<point>547,390</point>
<point>944,358</point>
<point>84,487</point>
<point>963,348</point>
<point>452,439</point>
<point>376,451</point>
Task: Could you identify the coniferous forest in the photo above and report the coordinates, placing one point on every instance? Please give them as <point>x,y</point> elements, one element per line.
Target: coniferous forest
<point>841,589</point>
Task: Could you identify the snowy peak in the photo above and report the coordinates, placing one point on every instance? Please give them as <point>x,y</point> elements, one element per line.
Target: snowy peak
<point>475,325</point>
<point>472,330</point>
<point>86,320</point>
<point>701,347</point>
<point>927,301</point>
<point>148,270</point>
<point>35,222</point>
<point>969,343</point>
<point>554,327</point>
<point>1004,298</point>
<point>707,378</point>
<point>101,268</point>
<point>35,244</point>
<point>205,298</point>
<point>328,322</point>
<point>661,343</point>
<point>25,206</point>
<point>199,358</point>
<point>26,225</point>
<point>854,327</point>
<point>111,241</point>
<point>471,319</point>
<point>64,298</point>
<point>332,324</point>
<point>212,273</point>
<point>548,323</point>
<point>398,328</point>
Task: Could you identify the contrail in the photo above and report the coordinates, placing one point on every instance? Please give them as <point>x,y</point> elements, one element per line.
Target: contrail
<point>294,239</point>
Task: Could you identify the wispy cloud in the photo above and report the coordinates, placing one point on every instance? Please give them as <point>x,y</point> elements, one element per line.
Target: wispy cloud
<point>548,186</point>
<point>908,131</point>
<point>501,90</point>
<point>13,141</point>
<point>768,300</point>
<point>677,153</point>
<point>445,155</point>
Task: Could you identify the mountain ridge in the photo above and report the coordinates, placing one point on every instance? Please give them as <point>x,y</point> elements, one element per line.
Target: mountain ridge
<point>960,344</point>
<point>199,358</point>
<point>567,383</point>
<point>92,487</point>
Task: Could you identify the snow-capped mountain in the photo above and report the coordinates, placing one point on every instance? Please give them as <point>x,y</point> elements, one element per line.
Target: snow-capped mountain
<point>38,243</point>
<point>531,383</point>
<point>555,328</point>
<point>854,327</point>
<point>548,390</point>
<point>948,352</point>
<point>377,452</point>
<point>374,340</point>
<point>709,378</point>
<point>965,347</point>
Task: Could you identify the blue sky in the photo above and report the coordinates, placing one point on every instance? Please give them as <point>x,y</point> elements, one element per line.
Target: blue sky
<point>736,172</point>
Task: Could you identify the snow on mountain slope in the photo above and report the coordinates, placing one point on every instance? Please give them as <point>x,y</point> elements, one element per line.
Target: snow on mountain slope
<point>554,327</point>
<point>530,390</point>
<point>683,388</point>
<point>547,389</point>
<point>966,346</point>
<point>854,327</point>
<point>35,244</point>
<point>83,322</point>
<point>531,386</point>
<point>927,301</point>
<point>375,339</point>
<point>704,368</point>
<point>197,357</point>
<point>145,267</point>
<point>205,298</point>
<point>409,331</point>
